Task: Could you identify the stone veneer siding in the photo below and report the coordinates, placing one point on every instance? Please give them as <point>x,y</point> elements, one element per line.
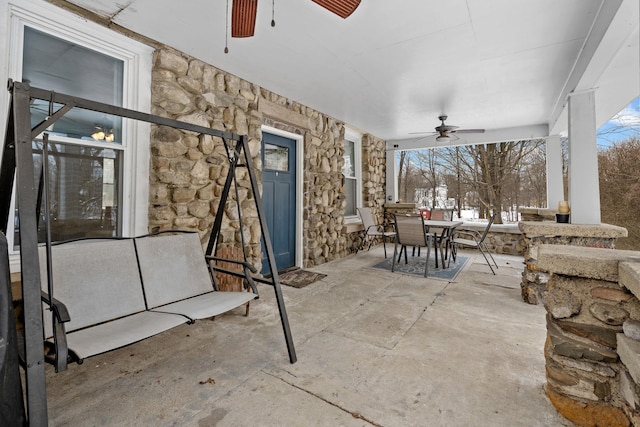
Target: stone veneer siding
<point>188,171</point>
<point>374,175</point>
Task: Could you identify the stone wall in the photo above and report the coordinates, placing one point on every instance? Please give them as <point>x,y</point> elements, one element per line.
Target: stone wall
<point>374,174</point>
<point>593,321</point>
<point>188,171</point>
<point>506,239</point>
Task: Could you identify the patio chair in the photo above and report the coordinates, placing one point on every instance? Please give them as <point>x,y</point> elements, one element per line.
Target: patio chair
<point>372,230</point>
<point>441,214</point>
<point>441,236</point>
<point>474,239</point>
<point>410,232</point>
<point>437,214</point>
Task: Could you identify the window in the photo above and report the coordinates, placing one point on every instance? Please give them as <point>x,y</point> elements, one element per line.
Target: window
<point>85,148</point>
<point>351,172</point>
<point>97,164</point>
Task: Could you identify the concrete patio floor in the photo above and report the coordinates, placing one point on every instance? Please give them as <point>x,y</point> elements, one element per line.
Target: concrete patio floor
<point>374,348</point>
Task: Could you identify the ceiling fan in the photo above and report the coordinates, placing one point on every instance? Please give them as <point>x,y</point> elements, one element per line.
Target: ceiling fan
<point>243,13</point>
<point>446,133</point>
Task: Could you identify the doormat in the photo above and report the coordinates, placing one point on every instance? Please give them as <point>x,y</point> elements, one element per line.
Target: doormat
<point>416,266</point>
<point>300,278</point>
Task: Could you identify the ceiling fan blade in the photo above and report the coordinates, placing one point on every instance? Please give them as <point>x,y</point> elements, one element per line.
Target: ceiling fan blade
<point>469,131</point>
<point>342,8</point>
<point>243,18</point>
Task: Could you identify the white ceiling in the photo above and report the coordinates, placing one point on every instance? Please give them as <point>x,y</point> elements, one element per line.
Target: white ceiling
<point>393,66</point>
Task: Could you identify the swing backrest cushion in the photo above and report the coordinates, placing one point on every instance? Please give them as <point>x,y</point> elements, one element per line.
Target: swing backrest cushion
<point>172,267</point>
<point>85,280</point>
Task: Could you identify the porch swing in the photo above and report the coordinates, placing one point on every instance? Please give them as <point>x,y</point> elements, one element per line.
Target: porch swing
<point>155,260</point>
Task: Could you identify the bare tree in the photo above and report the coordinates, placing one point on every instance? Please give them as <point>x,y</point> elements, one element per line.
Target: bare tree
<point>534,178</point>
<point>492,166</point>
<point>401,170</point>
<point>487,177</point>
<point>620,189</point>
<point>427,165</point>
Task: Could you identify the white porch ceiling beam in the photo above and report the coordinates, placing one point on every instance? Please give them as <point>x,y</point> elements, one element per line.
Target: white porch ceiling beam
<point>522,133</point>
<point>606,38</point>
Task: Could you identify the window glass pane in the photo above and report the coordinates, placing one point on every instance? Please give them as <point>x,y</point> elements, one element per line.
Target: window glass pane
<point>83,200</point>
<point>350,193</point>
<point>84,180</point>
<point>276,158</point>
<point>54,64</point>
<point>348,169</point>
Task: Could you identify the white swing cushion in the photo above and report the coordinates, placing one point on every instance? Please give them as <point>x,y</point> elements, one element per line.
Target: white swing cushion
<point>176,279</point>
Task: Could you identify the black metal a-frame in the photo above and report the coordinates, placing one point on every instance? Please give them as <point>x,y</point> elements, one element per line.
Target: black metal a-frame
<point>17,159</point>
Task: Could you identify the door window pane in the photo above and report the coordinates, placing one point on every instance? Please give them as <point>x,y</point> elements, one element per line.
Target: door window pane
<point>276,158</point>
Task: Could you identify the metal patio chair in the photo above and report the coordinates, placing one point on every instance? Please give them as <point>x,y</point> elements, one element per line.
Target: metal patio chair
<point>475,239</point>
<point>410,232</point>
<point>372,230</point>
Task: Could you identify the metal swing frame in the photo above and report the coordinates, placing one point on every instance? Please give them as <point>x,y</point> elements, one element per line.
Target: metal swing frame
<point>17,160</point>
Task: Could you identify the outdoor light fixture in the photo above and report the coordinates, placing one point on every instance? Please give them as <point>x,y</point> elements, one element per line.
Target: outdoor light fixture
<point>101,135</point>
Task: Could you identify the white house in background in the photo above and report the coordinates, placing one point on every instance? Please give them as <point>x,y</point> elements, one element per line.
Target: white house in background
<point>423,198</point>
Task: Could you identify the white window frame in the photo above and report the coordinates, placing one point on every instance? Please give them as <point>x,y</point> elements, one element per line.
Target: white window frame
<point>137,58</point>
<point>356,138</point>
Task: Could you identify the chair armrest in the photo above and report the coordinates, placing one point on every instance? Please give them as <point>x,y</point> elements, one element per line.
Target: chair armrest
<point>244,264</point>
<point>61,353</point>
<point>378,228</point>
<point>58,308</point>
<point>247,268</point>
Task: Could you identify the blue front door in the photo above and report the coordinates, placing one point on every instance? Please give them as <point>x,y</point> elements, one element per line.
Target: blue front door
<point>279,198</point>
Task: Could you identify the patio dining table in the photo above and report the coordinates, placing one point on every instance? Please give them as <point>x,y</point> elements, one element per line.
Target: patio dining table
<point>442,231</point>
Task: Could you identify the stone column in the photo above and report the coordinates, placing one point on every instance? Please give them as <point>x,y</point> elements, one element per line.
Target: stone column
<point>592,349</point>
<point>584,185</point>
<point>534,277</point>
<point>555,185</point>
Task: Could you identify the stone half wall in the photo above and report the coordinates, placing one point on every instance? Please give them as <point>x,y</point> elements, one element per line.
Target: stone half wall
<point>188,171</point>
<point>592,351</point>
<point>536,233</point>
<point>506,239</point>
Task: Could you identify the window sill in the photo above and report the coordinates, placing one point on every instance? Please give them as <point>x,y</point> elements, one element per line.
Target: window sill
<point>352,227</point>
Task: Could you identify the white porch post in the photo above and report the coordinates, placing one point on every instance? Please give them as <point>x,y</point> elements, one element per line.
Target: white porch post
<point>392,177</point>
<point>555,185</point>
<point>584,189</point>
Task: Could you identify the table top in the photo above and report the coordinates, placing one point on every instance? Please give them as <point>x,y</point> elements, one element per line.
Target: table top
<point>442,224</point>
